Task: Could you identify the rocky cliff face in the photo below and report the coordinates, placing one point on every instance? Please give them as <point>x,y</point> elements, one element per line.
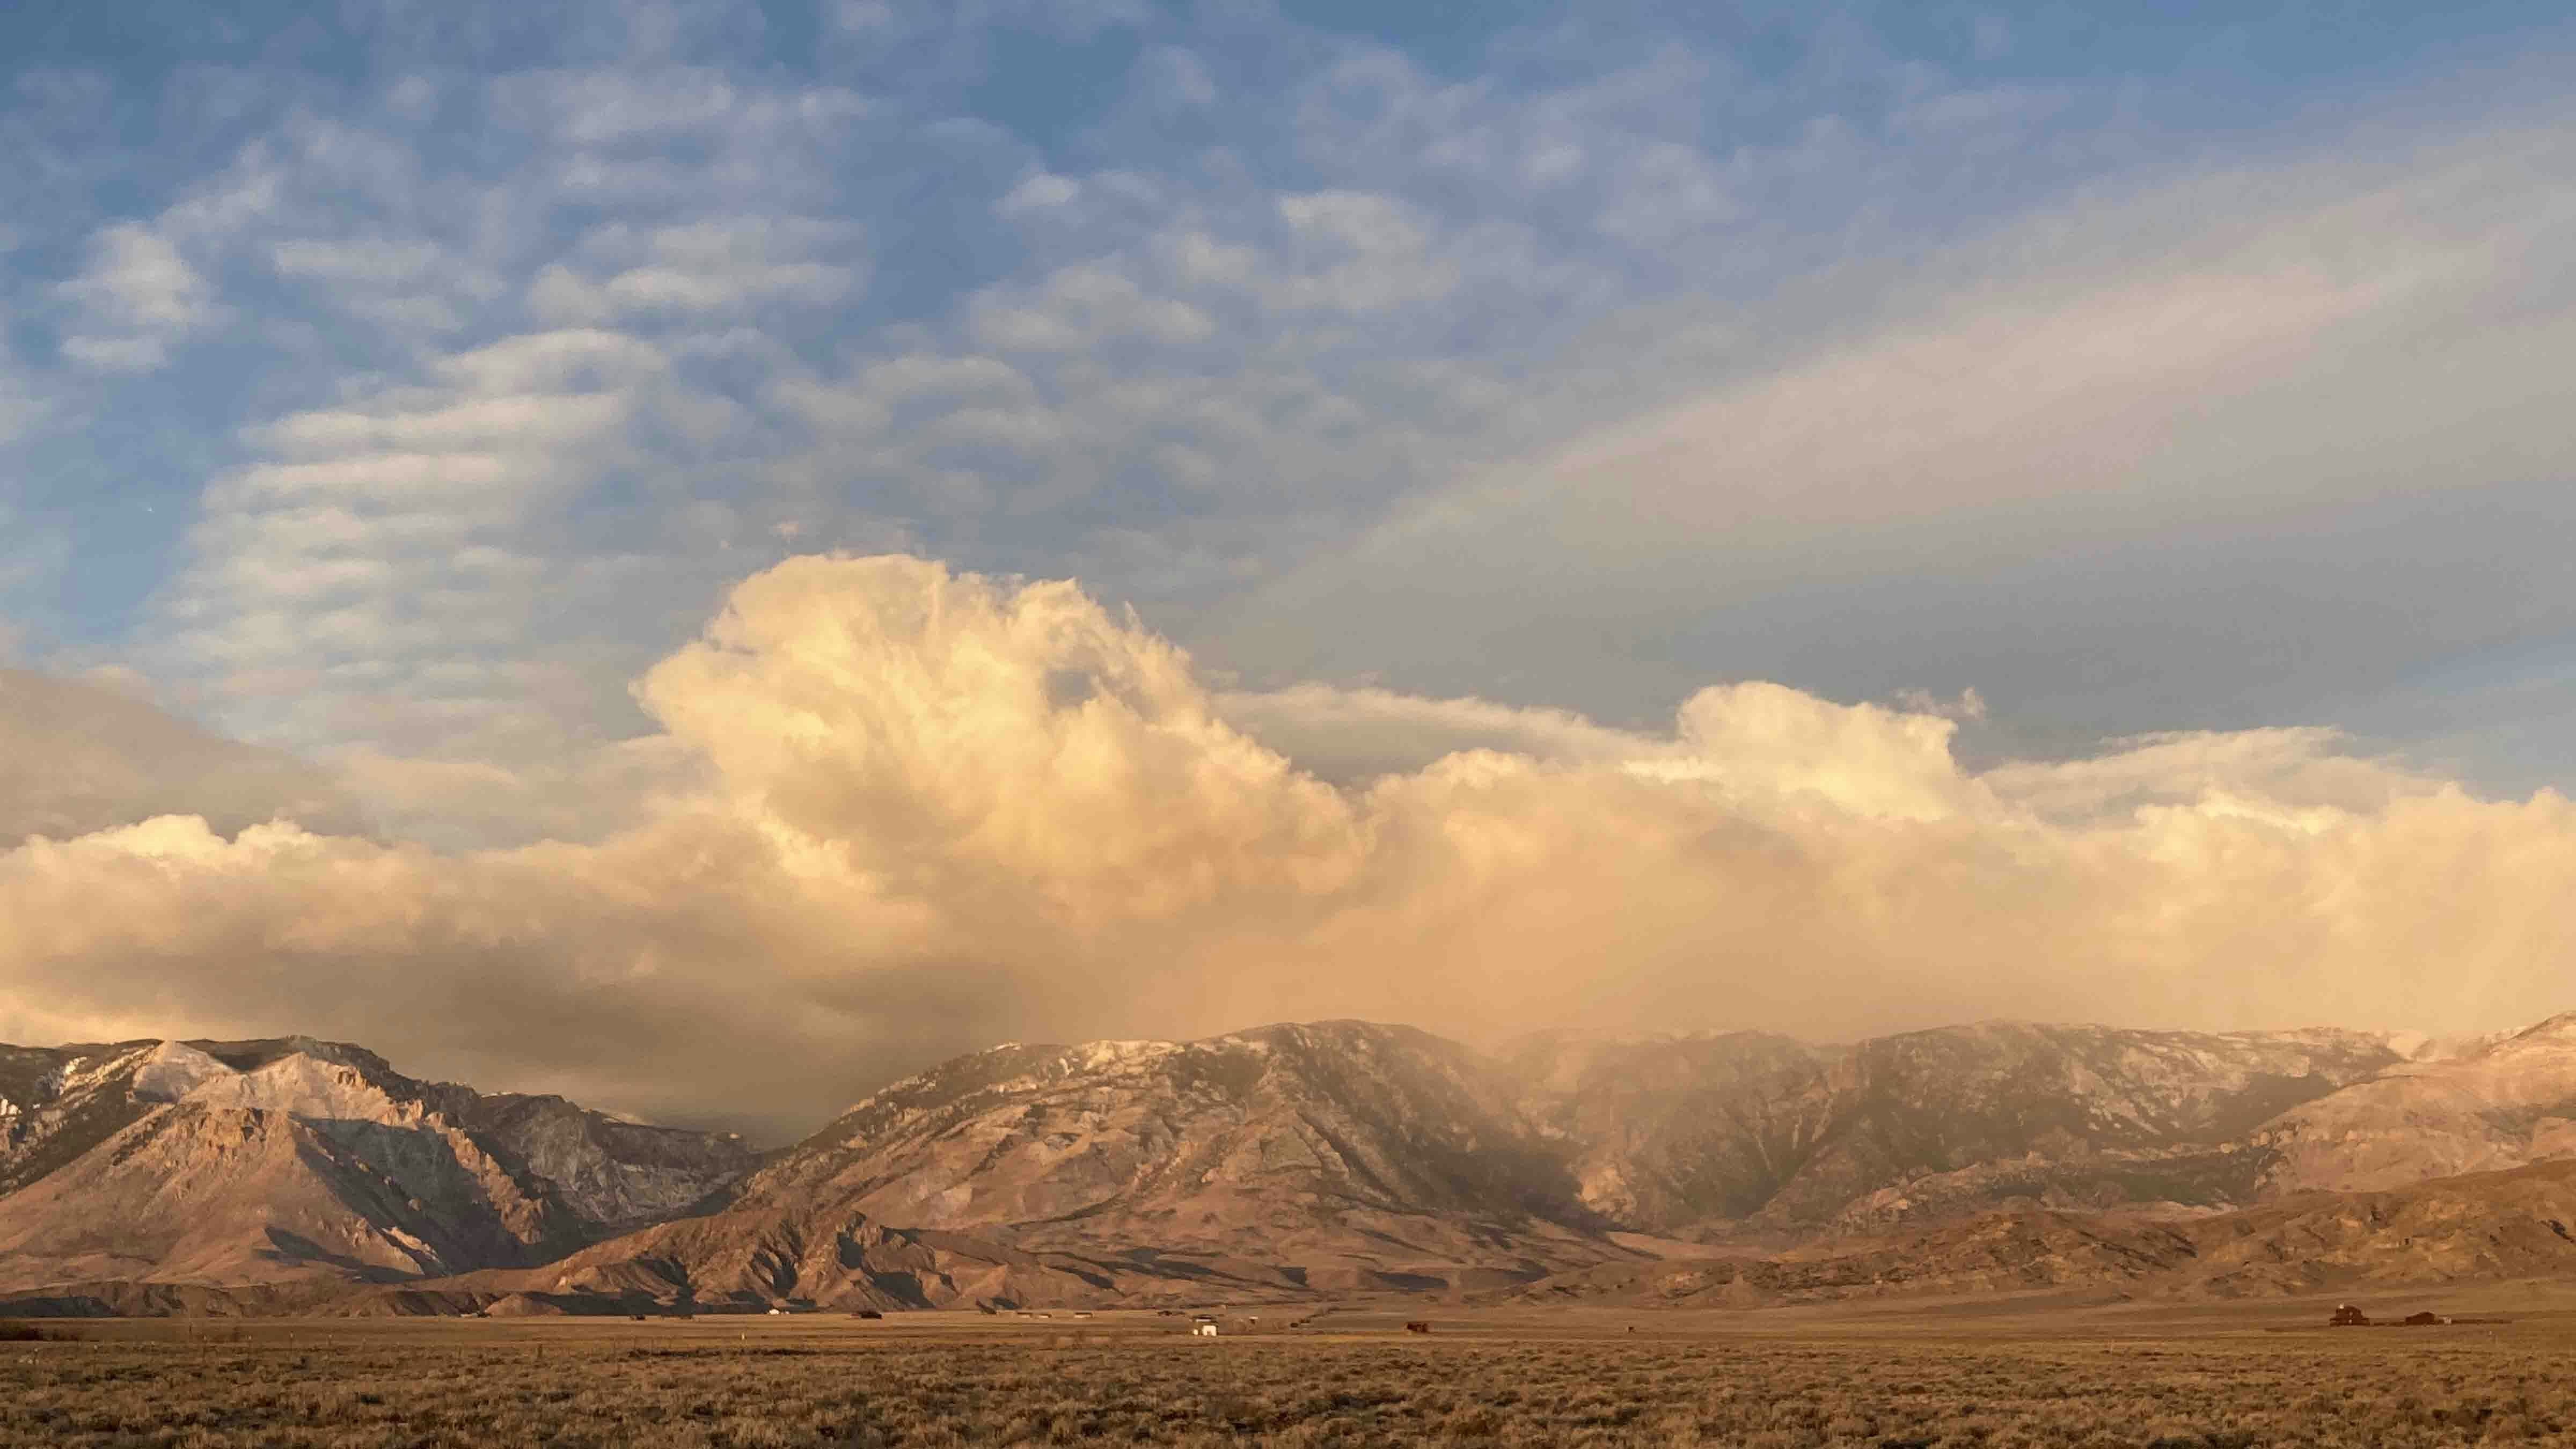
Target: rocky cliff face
<point>216,1163</point>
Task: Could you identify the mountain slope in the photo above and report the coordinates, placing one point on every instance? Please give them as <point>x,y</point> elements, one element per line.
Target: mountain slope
<point>1336,1156</point>
<point>2507,1104</point>
<point>213,1195</point>
<point>1754,1136</point>
<point>1221,1142</point>
<point>238,1163</point>
<point>57,1103</point>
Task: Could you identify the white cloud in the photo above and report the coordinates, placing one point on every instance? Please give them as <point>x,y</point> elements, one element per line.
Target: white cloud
<point>557,352</point>
<point>704,267</point>
<point>899,810</point>
<point>370,575</point>
<point>1186,379</point>
<point>1040,191</point>
<point>1363,253</point>
<point>410,286</point>
<point>138,298</point>
<point>542,432</point>
<point>1084,307</point>
<point>138,278</point>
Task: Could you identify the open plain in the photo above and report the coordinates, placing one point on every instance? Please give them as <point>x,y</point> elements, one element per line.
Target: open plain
<point>1978,1374</point>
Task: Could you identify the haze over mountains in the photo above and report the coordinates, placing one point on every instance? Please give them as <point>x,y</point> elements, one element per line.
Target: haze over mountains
<point>1309,1160</point>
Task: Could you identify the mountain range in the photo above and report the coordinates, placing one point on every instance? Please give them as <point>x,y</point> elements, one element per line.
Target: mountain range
<point>1310,1160</point>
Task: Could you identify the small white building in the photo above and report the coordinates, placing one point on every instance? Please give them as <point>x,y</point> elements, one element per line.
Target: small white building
<point>1205,1330</point>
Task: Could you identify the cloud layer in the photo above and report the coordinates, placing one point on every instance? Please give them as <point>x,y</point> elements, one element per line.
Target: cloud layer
<point>939,809</point>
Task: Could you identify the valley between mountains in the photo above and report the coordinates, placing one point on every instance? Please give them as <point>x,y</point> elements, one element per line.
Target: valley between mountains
<point>1310,1161</point>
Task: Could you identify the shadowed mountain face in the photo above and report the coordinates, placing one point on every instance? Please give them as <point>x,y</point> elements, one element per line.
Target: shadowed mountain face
<point>1291,1160</point>
<point>232,1163</point>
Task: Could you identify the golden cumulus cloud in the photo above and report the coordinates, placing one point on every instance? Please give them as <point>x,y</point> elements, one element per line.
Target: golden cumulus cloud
<point>940,809</point>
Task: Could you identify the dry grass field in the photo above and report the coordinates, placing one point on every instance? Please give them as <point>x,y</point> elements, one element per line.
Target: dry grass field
<point>1128,1379</point>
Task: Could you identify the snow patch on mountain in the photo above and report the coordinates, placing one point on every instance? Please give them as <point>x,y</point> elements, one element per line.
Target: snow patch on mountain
<point>1104,1055</point>
<point>174,1069</point>
<point>306,1085</point>
<point>83,1074</point>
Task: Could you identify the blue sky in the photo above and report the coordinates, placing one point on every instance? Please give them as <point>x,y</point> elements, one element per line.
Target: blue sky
<point>330,205</point>
<point>388,387</point>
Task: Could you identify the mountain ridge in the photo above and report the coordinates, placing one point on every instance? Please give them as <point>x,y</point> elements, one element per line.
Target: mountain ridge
<point>1293,1160</point>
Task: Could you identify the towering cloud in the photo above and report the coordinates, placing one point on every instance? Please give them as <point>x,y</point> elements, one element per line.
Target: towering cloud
<point>941,809</point>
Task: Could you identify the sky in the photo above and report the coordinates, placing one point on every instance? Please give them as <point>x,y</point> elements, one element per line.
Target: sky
<point>704,555</point>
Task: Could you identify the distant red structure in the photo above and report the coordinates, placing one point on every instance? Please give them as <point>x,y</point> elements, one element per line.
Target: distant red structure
<point>1417,1326</point>
<point>2424,1318</point>
<point>2347,1316</point>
